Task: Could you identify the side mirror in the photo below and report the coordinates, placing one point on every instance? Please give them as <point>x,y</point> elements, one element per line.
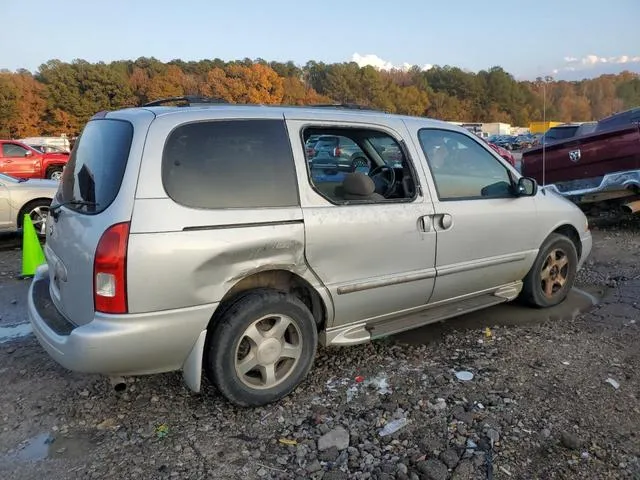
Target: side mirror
<point>526,187</point>
<point>28,154</point>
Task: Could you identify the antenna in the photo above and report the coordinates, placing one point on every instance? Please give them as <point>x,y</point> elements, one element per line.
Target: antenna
<point>545,80</point>
<point>544,140</point>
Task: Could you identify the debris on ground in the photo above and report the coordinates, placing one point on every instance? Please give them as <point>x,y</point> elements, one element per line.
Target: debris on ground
<point>534,408</point>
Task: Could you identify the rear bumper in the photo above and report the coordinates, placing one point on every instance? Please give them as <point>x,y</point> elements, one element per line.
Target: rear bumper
<point>611,182</point>
<point>133,344</point>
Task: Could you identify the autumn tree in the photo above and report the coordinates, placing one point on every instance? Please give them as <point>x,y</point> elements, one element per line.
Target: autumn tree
<point>297,93</point>
<point>78,90</point>
<point>256,84</point>
<point>62,96</point>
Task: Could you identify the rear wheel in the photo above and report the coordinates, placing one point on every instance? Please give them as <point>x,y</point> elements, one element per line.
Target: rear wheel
<point>54,173</point>
<point>260,347</point>
<point>38,210</point>
<point>552,274</point>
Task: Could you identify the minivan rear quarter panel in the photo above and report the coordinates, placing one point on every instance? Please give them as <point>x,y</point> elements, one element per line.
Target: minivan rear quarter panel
<point>195,255</point>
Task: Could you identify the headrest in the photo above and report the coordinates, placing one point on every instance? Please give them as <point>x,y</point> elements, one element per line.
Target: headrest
<point>357,183</point>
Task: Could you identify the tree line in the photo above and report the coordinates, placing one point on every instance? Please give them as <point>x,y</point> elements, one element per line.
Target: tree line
<point>60,96</point>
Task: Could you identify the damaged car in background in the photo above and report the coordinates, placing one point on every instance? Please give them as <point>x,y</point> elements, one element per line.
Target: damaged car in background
<point>597,169</point>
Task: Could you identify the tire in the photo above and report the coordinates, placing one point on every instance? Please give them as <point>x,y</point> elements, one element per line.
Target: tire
<point>232,340</point>
<point>545,285</point>
<point>54,173</point>
<point>37,209</point>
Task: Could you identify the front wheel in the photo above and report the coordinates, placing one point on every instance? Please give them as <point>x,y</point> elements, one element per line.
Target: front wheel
<point>38,210</point>
<point>552,274</point>
<point>54,173</point>
<point>260,347</point>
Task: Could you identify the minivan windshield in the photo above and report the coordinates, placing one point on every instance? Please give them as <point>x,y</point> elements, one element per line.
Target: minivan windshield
<point>92,177</point>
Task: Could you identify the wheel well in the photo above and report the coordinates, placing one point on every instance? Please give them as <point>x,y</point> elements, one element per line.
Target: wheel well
<point>55,165</point>
<point>283,281</point>
<point>27,205</point>
<point>572,234</point>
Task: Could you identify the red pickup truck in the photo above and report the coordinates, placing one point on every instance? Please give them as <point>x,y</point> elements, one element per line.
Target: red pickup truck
<point>603,165</point>
<point>22,161</point>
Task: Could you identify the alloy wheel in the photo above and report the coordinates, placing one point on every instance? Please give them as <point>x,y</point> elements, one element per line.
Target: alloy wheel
<point>268,351</point>
<point>554,273</point>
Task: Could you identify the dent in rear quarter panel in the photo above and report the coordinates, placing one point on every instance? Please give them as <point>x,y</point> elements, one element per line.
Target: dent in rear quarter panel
<point>188,268</point>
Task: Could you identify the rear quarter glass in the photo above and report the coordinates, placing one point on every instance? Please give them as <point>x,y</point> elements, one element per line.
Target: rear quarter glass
<point>96,167</point>
<point>230,164</point>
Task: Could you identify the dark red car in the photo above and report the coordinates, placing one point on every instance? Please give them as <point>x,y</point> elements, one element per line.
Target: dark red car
<point>22,161</point>
<point>599,166</point>
<point>504,153</point>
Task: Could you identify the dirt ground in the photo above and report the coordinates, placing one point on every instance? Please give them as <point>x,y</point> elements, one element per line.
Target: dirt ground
<point>554,394</point>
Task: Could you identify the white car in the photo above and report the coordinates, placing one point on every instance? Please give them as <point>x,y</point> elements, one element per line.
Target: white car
<point>21,196</point>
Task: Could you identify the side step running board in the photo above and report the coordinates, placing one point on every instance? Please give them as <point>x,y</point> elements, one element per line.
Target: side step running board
<point>431,315</point>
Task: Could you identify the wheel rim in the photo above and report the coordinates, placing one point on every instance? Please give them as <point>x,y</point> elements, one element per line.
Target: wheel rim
<point>39,219</point>
<point>56,175</point>
<point>268,351</point>
<point>555,272</point>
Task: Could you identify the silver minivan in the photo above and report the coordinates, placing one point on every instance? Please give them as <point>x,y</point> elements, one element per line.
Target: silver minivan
<point>201,237</point>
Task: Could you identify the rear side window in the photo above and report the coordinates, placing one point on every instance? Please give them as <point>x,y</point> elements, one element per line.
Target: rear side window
<point>230,164</point>
<point>94,172</point>
<point>561,133</point>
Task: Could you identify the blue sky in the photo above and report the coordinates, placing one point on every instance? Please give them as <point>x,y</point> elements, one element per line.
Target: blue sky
<point>569,39</point>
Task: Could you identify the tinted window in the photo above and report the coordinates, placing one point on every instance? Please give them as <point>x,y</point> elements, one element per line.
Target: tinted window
<point>619,120</point>
<point>462,168</point>
<point>230,164</point>
<point>560,133</point>
<point>96,166</point>
<point>13,150</point>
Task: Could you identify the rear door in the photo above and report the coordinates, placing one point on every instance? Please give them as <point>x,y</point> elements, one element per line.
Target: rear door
<point>373,255</point>
<point>100,178</point>
<point>19,161</point>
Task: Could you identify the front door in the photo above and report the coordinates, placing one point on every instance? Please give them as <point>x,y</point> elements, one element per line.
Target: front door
<point>364,227</point>
<point>17,161</point>
<point>486,234</point>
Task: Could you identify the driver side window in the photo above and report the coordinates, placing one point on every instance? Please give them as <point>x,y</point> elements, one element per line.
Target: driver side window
<point>462,169</point>
<point>13,150</point>
<point>350,165</point>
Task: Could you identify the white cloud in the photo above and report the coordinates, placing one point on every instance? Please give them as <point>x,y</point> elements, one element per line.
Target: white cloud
<point>590,60</point>
<point>377,62</point>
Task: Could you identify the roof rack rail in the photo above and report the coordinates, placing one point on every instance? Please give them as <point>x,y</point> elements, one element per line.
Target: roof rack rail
<point>350,106</point>
<point>189,99</point>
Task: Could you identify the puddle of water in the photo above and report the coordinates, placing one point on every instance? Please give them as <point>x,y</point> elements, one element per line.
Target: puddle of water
<point>45,446</point>
<point>15,331</point>
<point>36,448</point>
<point>507,314</point>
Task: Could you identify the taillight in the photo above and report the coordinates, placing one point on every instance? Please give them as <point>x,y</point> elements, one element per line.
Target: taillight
<point>110,270</point>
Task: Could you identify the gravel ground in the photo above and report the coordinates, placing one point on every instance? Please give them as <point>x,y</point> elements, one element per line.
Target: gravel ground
<point>538,406</point>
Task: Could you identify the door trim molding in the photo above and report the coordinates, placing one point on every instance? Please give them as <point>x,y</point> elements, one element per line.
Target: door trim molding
<point>483,263</point>
<point>387,281</point>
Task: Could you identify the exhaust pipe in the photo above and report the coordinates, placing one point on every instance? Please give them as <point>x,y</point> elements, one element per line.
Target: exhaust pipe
<point>631,207</point>
<point>118,384</point>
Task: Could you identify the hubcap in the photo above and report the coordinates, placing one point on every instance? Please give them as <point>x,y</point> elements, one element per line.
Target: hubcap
<point>39,219</point>
<point>555,271</point>
<point>56,175</point>
<point>268,351</point>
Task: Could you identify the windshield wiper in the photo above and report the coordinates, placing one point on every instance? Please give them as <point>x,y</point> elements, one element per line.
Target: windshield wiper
<point>53,209</point>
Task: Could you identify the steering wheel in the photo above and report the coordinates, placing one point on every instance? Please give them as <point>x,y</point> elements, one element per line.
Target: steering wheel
<point>389,183</point>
